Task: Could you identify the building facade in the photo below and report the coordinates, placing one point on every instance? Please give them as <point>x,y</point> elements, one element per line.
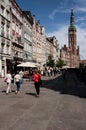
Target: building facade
<point>49,47</point>
<point>16,36</point>
<point>52,48</point>
<point>39,42</point>
<point>43,60</point>
<point>5,36</point>
<point>27,36</point>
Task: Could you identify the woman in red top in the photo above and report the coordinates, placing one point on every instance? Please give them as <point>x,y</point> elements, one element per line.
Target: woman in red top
<point>36,79</point>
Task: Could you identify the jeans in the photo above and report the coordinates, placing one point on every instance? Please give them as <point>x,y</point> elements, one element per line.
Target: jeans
<point>21,81</point>
<point>37,87</point>
<point>18,85</point>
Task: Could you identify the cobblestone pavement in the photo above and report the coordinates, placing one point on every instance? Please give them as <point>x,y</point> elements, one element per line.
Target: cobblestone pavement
<point>61,105</point>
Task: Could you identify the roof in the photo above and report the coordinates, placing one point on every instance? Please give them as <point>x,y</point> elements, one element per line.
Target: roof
<point>83,61</point>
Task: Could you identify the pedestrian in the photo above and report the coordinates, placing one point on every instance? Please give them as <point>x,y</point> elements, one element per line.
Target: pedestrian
<point>30,74</point>
<point>36,79</point>
<point>17,82</point>
<point>64,74</point>
<point>48,71</point>
<point>8,80</point>
<point>21,73</point>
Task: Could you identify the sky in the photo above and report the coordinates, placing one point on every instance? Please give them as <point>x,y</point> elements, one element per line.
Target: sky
<point>54,15</point>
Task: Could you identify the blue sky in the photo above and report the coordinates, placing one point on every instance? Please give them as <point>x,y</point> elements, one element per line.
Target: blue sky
<point>54,15</point>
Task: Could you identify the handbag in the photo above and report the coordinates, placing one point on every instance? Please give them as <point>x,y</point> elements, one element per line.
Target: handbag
<point>5,80</point>
<point>40,81</point>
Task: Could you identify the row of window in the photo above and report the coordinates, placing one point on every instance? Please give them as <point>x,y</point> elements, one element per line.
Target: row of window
<point>27,26</point>
<point>5,49</point>
<point>5,12</point>
<point>17,29</point>
<point>27,47</point>
<point>27,37</point>
<point>16,13</point>
<point>5,30</point>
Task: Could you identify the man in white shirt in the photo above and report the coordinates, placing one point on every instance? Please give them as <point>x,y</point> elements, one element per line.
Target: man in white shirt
<point>8,79</point>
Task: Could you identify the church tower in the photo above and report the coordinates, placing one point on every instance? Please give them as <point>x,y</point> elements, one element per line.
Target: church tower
<point>72,34</point>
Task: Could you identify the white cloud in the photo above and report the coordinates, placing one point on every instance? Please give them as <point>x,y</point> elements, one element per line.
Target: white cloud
<point>52,15</point>
<point>80,9</point>
<point>81,40</point>
<point>80,2</point>
<point>55,11</point>
<point>82,18</point>
<point>81,21</point>
<point>62,37</point>
<point>78,6</point>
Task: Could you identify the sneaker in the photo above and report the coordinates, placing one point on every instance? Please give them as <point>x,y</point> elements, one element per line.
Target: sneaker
<point>16,92</point>
<point>37,95</point>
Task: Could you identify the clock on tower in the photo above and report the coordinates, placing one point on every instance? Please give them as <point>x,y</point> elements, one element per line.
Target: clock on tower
<point>71,32</point>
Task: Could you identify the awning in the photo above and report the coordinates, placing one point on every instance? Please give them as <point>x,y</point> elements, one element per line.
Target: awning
<point>26,64</point>
<point>37,64</point>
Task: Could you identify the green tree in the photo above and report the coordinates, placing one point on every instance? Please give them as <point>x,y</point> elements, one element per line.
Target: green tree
<point>50,61</point>
<point>60,63</point>
<point>81,65</point>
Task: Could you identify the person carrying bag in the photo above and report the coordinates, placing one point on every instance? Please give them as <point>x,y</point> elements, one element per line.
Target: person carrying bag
<point>8,80</point>
<point>37,82</point>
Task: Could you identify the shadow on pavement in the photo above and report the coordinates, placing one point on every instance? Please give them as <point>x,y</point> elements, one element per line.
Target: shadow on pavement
<point>69,85</point>
<point>32,94</point>
<point>4,91</point>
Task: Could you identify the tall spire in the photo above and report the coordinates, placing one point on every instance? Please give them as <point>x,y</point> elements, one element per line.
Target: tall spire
<point>72,18</point>
<point>72,24</point>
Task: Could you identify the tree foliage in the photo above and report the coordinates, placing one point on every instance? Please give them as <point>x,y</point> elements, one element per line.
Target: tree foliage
<point>60,63</point>
<point>50,61</point>
<point>81,65</point>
